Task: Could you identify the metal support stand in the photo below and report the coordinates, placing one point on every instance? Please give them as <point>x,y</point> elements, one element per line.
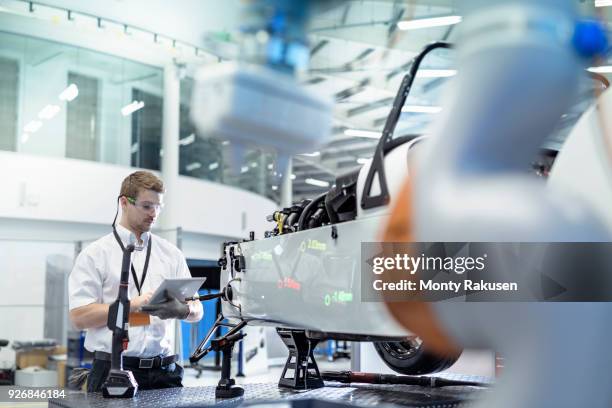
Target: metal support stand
<point>226,388</point>
<point>200,368</point>
<point>301,360</point>
<point>224,344</point>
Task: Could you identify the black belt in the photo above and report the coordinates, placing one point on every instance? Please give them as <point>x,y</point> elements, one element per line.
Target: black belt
<point>137,362</point>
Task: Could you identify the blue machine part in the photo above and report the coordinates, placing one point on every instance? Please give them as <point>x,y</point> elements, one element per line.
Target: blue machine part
<point>590,39</point>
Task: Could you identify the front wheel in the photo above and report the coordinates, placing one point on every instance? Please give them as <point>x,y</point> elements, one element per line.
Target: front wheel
<point>408,357</point>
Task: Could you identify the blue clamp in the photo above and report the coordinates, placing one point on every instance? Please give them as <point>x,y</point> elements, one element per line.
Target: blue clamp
<point>590,39</point>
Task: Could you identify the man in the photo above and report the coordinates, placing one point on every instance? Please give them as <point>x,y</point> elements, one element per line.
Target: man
<point>94,285</point>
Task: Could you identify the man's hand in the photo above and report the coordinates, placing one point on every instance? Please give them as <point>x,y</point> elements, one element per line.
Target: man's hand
<point>139,301</point>
<point>172,308</point>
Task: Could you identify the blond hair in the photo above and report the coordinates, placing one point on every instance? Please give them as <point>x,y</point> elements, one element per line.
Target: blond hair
<point>138,181</point>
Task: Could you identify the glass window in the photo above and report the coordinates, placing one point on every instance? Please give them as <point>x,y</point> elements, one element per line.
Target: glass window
<point>63,101</point>
<point>9,82</point>
<point>208,158</point>
<point>146,130</point>
<point>82,134</point>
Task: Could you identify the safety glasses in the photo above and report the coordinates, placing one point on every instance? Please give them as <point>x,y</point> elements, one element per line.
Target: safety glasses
<point>145,205</point>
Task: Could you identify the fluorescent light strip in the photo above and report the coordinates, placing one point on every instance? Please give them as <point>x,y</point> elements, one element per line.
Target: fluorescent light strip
<point>362,133</point>
<point>604,69</point>
<point>186,141</point>
<point>603,3</point>
<point>68,94</point>
<point>213,166</point>
<point>193,166</point>
<point>436,73</point>
<point>132,107</point>
<point>313,154</point>
<point>428,22</point>
<point>421,109</point>
<point>32,126</point>
<point>362,160</point>
<point>315,182</point>
<point>48,112</point>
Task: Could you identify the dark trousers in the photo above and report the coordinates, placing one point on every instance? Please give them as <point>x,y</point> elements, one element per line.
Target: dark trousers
<point>147,378</point>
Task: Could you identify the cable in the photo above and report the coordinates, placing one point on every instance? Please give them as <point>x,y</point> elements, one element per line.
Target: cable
<point>347,377</point>
<point>231,289</point>
<point>307,209</point>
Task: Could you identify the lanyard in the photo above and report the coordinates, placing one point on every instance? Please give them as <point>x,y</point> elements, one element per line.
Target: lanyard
<point>146,265</point>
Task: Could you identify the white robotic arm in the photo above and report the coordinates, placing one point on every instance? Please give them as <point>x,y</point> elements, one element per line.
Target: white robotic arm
<point>518,71</point>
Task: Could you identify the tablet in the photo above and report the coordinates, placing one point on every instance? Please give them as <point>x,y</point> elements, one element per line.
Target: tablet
<point>180,288</point>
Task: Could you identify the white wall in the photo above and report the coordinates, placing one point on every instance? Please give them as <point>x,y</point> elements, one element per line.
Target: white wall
<point>22,292</point>
<point>51,189</point>
<point>200,246</point>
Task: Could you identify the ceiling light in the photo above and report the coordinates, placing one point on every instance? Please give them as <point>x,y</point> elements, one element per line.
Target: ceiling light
<point>68,94</point>
<point>293,176</point>
<point>48,112</point>
<point>32,126</point>
<point>253,164</point>
<point>213,166</point>
<point>362,133</point>
<point>193,166</point>
<point>604,69</point>
<point>428,22</point>
<point>313,154</point>
<point>421,109</point>
<point>315,182</point>
<point>132,107</point>
<point>362,160</point>
<point>603,3</point>
<point>274,188</point>
<point>225,142</point>
<point>187,140</point>
<point>436,73</point>
<point>270,166</point>
<point>244,169</point>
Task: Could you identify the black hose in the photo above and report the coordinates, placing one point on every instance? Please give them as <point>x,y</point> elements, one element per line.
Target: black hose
<point>304,214</point>
<point>333,217</point>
